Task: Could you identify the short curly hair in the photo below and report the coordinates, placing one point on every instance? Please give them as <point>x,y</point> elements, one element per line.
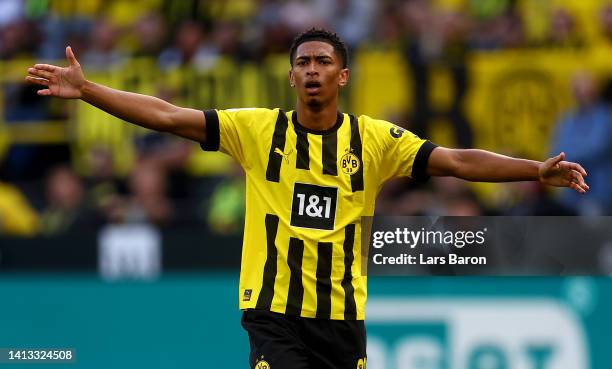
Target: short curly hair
<point>319,34</point>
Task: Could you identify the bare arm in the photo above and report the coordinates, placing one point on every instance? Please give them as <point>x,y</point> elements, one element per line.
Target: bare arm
<point>146,111</point>
<point>485,166</point>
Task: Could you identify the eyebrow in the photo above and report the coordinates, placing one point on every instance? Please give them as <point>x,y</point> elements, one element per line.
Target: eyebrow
<point>316,57</point>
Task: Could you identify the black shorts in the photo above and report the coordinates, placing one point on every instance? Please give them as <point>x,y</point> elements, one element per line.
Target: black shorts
<point>280,341</point>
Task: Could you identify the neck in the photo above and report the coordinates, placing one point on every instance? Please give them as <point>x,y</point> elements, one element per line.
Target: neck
<point>317,119</point>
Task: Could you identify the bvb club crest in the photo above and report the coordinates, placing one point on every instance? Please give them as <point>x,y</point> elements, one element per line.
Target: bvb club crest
<point>350,163</point>
<point>262,364</point>
<point>361,364</point>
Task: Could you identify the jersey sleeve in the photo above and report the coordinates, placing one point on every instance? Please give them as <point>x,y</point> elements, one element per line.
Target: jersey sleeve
<point>233,131</point>
<point>401,152</point>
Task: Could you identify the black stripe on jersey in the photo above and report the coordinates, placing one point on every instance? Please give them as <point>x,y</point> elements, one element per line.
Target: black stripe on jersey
<point>213,138</point>
<point>350,308</point>
<point>419,166</point>
<point>324,266</point>
<point>275,159</point>
<point>303,159</point>
<point>330,150</point>
<point>296,288</point>
<point>264,301</point>
<point>357,178</point>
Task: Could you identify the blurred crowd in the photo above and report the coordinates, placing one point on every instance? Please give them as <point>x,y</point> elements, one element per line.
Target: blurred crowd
<point>196,33</point>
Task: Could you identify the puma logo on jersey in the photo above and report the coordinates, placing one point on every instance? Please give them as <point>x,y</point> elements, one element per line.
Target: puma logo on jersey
<point>284,155</point>
<point>396,132</point>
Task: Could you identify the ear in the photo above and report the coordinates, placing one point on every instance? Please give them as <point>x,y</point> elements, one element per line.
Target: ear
<point>291,78</point>
<point>344,77</point>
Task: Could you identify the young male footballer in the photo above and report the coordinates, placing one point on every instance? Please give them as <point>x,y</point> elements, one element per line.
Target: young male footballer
<point>311,174</point>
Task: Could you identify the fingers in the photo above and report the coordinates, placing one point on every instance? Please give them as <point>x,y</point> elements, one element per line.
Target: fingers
<point>41,82</point>
<point>551,163</point>
<point>573,176</point>
<point>577,177</point>
<point>573,166</point>
<point>576,187</point>
<point>40,73</point>
<point>70,56</point>
<point>37,80</point>
<point>557,159</point>
<point>576,181</point>
<point>47,67</point>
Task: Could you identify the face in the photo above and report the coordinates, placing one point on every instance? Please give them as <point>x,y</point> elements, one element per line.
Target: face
<point>317,74</point>
<point>584,88</point>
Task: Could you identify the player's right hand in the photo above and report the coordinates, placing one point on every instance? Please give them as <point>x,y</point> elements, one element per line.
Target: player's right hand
<point>64,82</point>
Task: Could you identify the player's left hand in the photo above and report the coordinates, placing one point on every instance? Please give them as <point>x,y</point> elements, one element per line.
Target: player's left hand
<point>559,173</point>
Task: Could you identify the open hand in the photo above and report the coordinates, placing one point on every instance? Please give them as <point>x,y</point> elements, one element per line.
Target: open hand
<point>64,82</point>
<point>556,172</point>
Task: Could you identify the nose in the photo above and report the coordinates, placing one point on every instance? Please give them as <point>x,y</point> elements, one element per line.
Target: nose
<point>312,70</point>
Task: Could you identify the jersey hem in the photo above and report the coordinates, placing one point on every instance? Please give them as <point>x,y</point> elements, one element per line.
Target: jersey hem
<point>307,314</point>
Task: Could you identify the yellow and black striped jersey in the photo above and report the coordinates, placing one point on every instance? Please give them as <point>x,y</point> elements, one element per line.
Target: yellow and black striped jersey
<point>306,192</point>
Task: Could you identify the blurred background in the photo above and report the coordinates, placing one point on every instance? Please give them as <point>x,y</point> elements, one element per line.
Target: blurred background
<point>125,243</point>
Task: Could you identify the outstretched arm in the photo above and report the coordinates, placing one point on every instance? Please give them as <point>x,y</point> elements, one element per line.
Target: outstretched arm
<point>146,111</point>
<point>485,166</point>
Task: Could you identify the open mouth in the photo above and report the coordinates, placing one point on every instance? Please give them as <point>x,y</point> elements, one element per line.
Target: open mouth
<point>312,86</point>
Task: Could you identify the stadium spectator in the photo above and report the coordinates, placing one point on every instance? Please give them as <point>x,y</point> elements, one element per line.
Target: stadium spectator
<point>102,186</point>
<point>275,33</point>
<point>17,216</point>
<point>150,34</point>
<point>585,134</point>
<point>67,21</point>
<point>453,197</point>
<point>191,47</point>
<point>148,201</point>
<point>389,29</point>
<point>19,38</point>
<point>401,196</point>
<point>605,18</point>
<point>227,37</point>
<point>226,205</point>
<point>102,52</point>
<point>66,206</point>
<point>446,196</point>
<point>123,14</point>
<point>563,30</point>
<point>353,19</point>
<point>496,26</point>
<point>200,11</point>
<point>535,199</point>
